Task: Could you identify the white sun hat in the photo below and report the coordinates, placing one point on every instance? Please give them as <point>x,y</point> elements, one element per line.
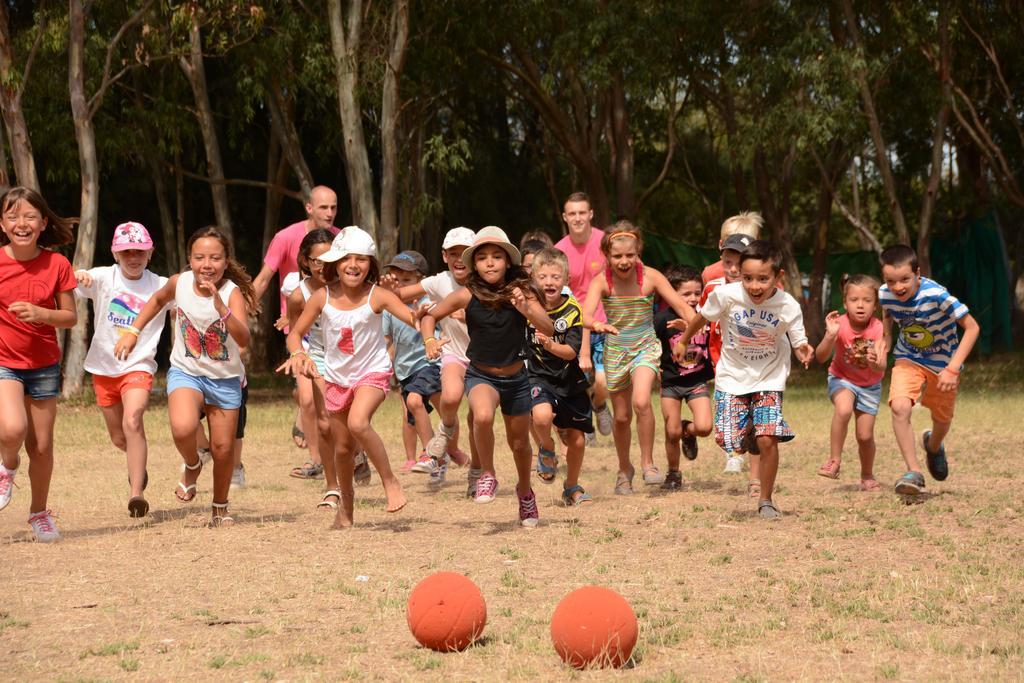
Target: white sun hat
<point>351,240</point>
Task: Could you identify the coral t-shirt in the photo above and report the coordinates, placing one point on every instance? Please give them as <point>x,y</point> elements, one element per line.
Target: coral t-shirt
<point>28,346</point>
<point>714,329</point>
<point>283,253</point>
<point>585,262</point>
<point>850,359</point>
<point>713,272</point>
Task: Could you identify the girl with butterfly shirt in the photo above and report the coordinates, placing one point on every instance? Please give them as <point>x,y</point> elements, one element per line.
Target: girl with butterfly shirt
<point>122,386</point>
<point>212,302</point>
<point>349,309</point>
<point>36,287</point>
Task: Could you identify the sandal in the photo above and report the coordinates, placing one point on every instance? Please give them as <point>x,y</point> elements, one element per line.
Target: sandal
<point>870,485</point>
<point>754,488</point>
<point>329,504</point>
<point>361,472</point>
<point>299,437</point>
<point>186,493</point>
<point>830,469</point>
<point>574,496</point>
<point>653,476</point>
<point>138,507</point>
<point>766,510</point>
<point>221,520</point>
<point>546,471</point>
<point>308,470</point>
<point>624,483</point>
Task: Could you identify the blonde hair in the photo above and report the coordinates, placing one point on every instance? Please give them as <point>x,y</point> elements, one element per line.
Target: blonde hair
<point>743,223</point>
<point>551,257</point>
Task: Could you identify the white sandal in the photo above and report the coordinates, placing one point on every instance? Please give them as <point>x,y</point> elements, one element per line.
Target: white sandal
<point>330,504</point>
<point>222,520</point>
<point>191,488</point>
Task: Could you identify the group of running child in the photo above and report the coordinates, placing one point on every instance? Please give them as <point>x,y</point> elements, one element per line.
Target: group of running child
<point>542,332</point>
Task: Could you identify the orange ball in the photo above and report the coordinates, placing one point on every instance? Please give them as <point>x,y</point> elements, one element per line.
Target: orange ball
<point>446,612</point>
<point>594,626</point>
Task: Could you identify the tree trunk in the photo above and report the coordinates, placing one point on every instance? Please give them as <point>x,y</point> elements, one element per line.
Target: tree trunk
<point>290,141</point>
<point>387,239</point>
<point>345,41</point>
<point>85,247</point>
<point>814,320</point>
<point>262,348</point>
<point>924,227</point>
<point>777,213</point>
<point>874,125</point>
<point>11,88</point>
<point>622,143</point>
<point>167,228</point>
<point>194,69</point>
<point>179,205</point>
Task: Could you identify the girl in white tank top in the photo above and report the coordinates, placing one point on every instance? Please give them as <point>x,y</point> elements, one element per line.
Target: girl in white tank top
<point>213,299</point>
<point>357,365</point>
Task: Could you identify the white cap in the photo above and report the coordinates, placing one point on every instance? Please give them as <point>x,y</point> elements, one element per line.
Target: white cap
<point>458,237</point>
<point>351,240</point>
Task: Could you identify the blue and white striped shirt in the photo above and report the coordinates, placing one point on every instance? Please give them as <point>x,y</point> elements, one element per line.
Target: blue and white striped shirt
<point>927,322</point>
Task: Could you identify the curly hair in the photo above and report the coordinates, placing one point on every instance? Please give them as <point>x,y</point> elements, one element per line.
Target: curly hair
<point>234,270</point>
<point>493,296</point>
<point>58,231</point>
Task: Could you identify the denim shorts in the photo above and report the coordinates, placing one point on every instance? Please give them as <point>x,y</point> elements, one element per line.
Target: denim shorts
<point>513,391</point>
<point>570,412</point>
<point>39,383</point>
<point>865,399</point>
<point>223,393</point>
<point>424,382</point>
<point>597,351</point>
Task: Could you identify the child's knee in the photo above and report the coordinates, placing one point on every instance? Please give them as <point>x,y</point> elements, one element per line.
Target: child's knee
<point>673,430</point>
<point>222,449</point>
<point>702,427</point>
<point>901,407</point>
<point>641,404</point>
<point>13,435</point>
<point>118,439</point>
<point>865,438</point>
<point>482,421</point>
<point>358,426</point>
<point>622,418</point>
<point>414,402</point>
<point>132,423</point>
<point>518,442</point>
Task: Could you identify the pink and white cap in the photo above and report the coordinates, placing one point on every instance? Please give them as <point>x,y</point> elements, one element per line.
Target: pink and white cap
<point>131,235</point>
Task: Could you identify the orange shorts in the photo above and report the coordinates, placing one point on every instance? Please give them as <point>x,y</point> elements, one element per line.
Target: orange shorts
<point>910,380</point>
<point>110,389</point>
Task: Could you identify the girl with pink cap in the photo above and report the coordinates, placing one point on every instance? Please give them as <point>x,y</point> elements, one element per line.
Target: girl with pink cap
<point>122,385</point>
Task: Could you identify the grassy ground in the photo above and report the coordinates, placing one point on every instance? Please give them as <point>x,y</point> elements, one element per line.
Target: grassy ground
<point>847,585</point>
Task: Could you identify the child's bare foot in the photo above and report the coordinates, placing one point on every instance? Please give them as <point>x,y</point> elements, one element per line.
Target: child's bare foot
<point>395,495</point>
<point>343,518</point>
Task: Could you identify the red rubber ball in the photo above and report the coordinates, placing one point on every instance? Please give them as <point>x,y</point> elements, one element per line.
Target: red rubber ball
<point>446,612</point>
<point>594,627</point>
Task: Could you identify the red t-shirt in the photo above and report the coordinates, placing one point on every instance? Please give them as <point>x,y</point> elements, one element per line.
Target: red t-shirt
<point>714,330</point>
<point>27,346</point>
<point>713,272</point>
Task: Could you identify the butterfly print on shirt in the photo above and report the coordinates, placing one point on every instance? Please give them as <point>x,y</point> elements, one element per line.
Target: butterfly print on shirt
<point>213,342</point>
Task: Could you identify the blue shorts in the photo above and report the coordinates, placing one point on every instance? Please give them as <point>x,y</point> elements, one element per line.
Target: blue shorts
<point>865,399</point>
<point>222,393</point>
<point>513,391</point>
<point>571,412</point>
<point>597,351</point>
<point>424,382</point>
<point>39,383</point>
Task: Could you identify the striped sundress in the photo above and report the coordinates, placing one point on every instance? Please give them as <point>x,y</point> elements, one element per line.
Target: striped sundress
<point>635,345</point>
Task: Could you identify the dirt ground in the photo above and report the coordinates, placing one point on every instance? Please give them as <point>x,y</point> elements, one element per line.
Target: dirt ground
<point>847,585</point>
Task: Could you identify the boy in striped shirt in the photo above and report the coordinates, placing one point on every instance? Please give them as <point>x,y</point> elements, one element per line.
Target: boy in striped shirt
<point>929,357</point>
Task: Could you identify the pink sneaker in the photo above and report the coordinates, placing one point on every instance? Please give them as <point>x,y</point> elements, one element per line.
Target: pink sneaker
<point>459,457</point>
<point>43,527</point>
<point>529,517</point>
<point>486,488</point>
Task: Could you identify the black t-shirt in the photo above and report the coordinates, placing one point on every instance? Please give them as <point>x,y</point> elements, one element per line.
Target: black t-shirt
<point>497,336</point>
<point>696,367</point>
<point>562,377</point>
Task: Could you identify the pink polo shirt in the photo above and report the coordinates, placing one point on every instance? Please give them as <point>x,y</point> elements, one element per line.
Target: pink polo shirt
<point>585,262</point>
<point>283,253</point>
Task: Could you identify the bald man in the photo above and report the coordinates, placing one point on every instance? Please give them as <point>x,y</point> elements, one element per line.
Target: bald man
<point>283,253</point>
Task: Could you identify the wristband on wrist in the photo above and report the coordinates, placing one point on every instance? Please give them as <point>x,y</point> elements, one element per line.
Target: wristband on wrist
<point>227,314</point>
<point>300,352</point>
<point>429,339</point>
<point>131,329</point>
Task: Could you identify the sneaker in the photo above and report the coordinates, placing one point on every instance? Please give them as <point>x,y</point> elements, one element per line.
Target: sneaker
<point>438,475</point>
<point>767,510</point>
<point>43,527</point>
<point>911,484</point>
<point>6,486</point>
<point>438,444</point>
<point>937,465</point>
<point>604,419</point>
<point>486,489</point>
<point>238,477</point>
<point>590,440</point>
<point>673,481</point>
<point>689,443</point>
<point>424,464</point>
<point>733,464</point>
<point>471,478</point>
<point>458,456</point>
<point>529,517</point>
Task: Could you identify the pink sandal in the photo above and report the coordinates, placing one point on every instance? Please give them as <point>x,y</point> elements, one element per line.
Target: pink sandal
<point>830,469</point>
<point>869,485</point>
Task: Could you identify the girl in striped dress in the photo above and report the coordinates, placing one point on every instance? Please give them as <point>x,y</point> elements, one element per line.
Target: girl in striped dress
<point>632,355</point>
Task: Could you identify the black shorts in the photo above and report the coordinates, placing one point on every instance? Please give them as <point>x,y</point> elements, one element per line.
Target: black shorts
<point>424,382</point>
<point>686,393</point>
<point>571,412</point>
<point>513,391</point>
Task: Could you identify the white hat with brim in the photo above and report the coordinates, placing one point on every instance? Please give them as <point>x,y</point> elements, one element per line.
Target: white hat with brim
<point>351,240</point>
<point>492,234</point>
<point>458,237</point>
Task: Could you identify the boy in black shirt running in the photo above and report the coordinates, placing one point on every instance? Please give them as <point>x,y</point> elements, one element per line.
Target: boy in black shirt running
<point>558,386</point>
<point>685,372</point>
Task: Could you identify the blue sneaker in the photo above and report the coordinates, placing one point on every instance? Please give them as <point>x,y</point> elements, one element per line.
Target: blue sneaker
<point>937,465</point>
<point>911,484</point>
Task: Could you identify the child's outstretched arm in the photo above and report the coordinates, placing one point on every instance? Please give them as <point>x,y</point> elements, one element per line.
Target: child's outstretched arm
<point>950,375</point>
<point>150,310</point>
<point>407,293</point>
<point>532,311</point>
<point>299,363</point>
<point>456,301</point>
<point>696,324</point>
<point>386,300</point>
<point>828,343</point>
<point>598,288</point>
<point>671,297</point>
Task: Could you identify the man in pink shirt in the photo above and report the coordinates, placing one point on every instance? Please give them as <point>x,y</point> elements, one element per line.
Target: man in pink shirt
<point>582,247</point>
<point>282,255</point>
